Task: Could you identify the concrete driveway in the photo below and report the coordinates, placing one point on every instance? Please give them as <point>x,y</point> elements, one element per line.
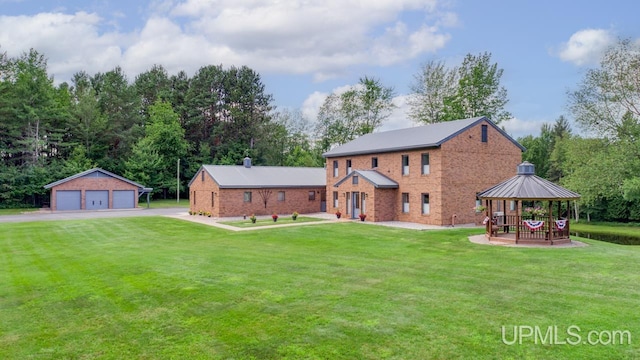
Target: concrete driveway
<point>44,215</point>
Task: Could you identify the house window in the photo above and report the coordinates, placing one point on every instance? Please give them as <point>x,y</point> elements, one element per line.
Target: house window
<point>374,162</point>
<point>405,164</point>
<point>484,133</point>
<point>247,196</point>
<point>512,205</point>
<point>280,195</point>
<point>335,168</point>
<point>348,167</point>
<point>194,198</point>
<point>202,175</point>
<point>312,195</point>
<point>354,180</point>
<point>425,164</point>
<point>405,202</point>
<point>213,198</point>
<point>425,204</point>
<point>335,199</point>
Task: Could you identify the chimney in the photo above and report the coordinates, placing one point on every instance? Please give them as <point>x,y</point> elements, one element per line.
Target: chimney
<point>247,162</point>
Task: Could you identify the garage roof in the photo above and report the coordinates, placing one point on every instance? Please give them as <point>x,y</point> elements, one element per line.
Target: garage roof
<point>97,172</point>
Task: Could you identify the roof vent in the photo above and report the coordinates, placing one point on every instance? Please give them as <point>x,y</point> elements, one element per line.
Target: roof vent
<point>526,168</point>
<point>247,162</point>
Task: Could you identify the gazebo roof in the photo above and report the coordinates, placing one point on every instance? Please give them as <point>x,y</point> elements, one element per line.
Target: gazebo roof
<point>528,186</point>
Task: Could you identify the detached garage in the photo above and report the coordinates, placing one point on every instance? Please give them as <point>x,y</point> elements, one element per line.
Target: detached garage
<point>95,189</point>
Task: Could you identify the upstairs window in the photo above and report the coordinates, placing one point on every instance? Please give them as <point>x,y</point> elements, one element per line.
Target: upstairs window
<point>335,168</point>
<point>354,180</point>
<point>425,164</point>
<point>405,164</point>
<point>202,175</point>
<point>484,133</point>
<point>348,167</point>
<point>374,162</point>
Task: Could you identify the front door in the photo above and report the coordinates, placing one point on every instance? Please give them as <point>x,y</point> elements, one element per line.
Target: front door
<point>356,205</point>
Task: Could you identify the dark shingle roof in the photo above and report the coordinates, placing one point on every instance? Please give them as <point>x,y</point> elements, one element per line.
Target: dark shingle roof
<point>529,186</point>
<point>91,171</point>
<point>418,137</point>
<point>255,177</point>
<point>375,178</point>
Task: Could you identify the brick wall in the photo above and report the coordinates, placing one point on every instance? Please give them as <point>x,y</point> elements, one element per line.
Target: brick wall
<point>230,202</point>
<point>93,183</point>
<point>458,170</point>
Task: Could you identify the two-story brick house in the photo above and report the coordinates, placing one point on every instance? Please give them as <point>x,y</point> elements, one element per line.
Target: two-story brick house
<point>427,174</point>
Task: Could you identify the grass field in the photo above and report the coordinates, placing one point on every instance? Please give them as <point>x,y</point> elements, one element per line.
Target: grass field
<point>163,203</point>
<point>607,228</point>
<point>165,288</point>
<point>16,211</point>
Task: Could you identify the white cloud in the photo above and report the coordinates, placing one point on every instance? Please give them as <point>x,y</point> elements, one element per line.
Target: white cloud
<point>398,118</point>
<point>518,127</point>
<point>586,47</point>
<point>323,38</point>
<point>71,42</point>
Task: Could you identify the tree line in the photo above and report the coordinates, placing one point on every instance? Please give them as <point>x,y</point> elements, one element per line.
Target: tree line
<point>140,127</point>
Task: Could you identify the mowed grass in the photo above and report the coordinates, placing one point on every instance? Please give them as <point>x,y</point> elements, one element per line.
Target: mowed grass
<point>607,228</point>
<point>17,211</point>
<point>156,288</point>
<point>269,221</point>
<point>163,203</point>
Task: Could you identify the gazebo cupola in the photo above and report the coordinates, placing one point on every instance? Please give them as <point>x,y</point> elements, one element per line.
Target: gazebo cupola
<point>540,222</point>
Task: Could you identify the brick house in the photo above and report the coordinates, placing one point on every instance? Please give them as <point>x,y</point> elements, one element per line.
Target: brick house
<point>95,189</point>
<point>229,190</point>
<point>427,174</point>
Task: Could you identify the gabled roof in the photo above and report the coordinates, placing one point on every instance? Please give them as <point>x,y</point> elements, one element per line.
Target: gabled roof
<point>528,186</point>
<point>95,171</point>
<point>419,137</point>
<point>375,178</point>
<point>255,177</point>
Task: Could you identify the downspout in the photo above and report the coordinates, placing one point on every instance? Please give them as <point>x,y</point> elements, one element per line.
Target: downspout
<point>453,220</point>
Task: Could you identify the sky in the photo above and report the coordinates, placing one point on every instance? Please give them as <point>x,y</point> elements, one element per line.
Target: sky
<point>306,49</point>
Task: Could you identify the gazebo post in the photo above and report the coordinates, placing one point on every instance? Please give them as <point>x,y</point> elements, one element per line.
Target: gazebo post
<point>517,220</point>
<point>549,227</point>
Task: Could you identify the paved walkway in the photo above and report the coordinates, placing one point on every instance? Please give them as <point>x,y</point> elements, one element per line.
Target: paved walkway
<point>325,216</point>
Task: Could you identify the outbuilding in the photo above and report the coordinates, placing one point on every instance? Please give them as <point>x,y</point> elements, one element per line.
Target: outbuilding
<point>230,190</point>
<point>95,189</point>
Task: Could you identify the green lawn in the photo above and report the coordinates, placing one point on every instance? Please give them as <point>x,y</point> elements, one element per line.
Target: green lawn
<point>163,203</point>
<point>165,288</point>
<point>269,221</point>
<point>607,228</point>
<point>16,211</point>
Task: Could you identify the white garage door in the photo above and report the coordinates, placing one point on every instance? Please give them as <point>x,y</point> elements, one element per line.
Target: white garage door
<point>96,199</point>
<point>123,199</point>
<point>68,200</point>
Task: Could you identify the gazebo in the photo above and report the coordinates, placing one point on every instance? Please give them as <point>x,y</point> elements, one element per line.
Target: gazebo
<point>531,217</point>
